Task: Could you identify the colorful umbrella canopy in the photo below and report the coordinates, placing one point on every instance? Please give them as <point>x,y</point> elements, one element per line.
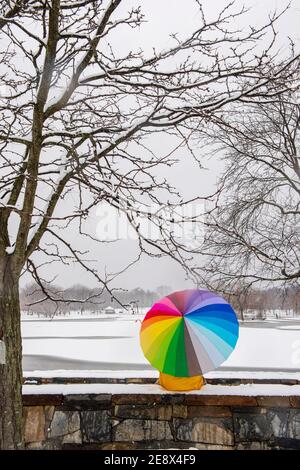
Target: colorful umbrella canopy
<point>189,333</point>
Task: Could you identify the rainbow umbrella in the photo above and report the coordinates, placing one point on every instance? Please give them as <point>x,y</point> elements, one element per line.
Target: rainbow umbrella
<point>189,333</point>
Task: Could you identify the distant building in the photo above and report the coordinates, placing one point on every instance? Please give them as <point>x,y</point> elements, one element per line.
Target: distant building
<point>109,310</point>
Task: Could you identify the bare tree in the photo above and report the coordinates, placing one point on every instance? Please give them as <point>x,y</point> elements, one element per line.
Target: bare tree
<point>253,234</point>
<point>75,116</point>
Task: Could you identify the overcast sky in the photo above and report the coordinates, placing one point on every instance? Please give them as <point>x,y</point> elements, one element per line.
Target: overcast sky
<point>166,17</point>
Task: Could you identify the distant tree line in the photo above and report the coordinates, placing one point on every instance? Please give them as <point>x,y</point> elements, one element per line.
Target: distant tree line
<point>83,299</point>
<point>258,301</point>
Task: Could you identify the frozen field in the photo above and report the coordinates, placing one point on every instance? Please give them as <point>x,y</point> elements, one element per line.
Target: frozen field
<point>109,346</point>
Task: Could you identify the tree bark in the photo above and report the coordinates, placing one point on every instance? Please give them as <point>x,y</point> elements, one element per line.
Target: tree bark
<point>11,423</point>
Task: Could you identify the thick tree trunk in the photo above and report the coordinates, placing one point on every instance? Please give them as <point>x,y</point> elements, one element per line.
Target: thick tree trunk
<point>11,426</point>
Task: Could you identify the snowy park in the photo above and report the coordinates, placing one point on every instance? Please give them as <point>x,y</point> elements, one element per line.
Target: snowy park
<point>149,225</point>
<point>110,347</point>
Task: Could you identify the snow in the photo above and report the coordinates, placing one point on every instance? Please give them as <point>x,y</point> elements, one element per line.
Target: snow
<point>35,227</point>
<point>290,327</point>
<point>56,99</point>
<point>62,170</point>
<point>77,315</point>
<point>105,341</point>
<point>207,390</point>
<point>80,58</point>
<point>43,212</point>
<point>253,374</point>
<point>108,346</point>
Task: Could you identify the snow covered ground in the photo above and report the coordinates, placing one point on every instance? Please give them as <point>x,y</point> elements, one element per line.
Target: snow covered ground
<point>239,390</point>
<point>249,315</point>
<point>86,315</point>
<point>108,346</point>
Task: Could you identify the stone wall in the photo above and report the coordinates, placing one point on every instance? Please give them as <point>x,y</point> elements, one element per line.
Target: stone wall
<point>147,380</point>
<point>171,421</point>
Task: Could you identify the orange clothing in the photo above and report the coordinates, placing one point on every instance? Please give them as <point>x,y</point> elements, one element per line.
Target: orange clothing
<point>169,382</point>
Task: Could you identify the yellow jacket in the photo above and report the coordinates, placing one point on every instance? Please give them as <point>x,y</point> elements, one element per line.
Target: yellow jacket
<point>172,383</point>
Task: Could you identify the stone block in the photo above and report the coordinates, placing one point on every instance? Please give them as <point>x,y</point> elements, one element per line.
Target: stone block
<point>148,399</point>
<point>87,402</point>
<point>73,438</point>
<point>96,426</point>
<point>278,419</point>
<point>142,430</point>
<point>180,411</point>
<point>173,399</point>
<point>119,446</point>
<point>252,410</point>
<point>205,430</point>
<point>251,427</point>
<point>49,412</point>
<point>140,380</point>
<point>294,425</point>
<point>130,399</point>
<point>63,423</point>
<point>264,425</point>
<point>254,445</point>
<point>274,402</point>
<point>210,447</point>
<point>285,444</point>
<point>208,411</point>
<point>154,412</point>
<point>166,445</point>
<point>295,401</point>
<point>51,444</point>
<point>34,419</point>
<point>220,400</point>
<point>42,400</point>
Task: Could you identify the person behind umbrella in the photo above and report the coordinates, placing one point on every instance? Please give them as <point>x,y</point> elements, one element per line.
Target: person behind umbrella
<point>187,334</point>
